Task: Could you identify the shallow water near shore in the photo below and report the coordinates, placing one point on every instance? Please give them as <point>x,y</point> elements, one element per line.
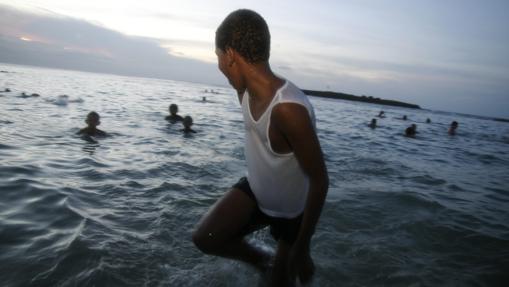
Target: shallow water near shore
<point>426,211</point>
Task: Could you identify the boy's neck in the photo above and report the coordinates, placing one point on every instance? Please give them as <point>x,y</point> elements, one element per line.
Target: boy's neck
<point>261,82</point>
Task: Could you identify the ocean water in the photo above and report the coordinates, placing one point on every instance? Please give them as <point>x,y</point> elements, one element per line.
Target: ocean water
<point>426,211</point>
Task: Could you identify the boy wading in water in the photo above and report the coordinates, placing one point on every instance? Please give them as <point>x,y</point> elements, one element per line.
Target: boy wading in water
<point>286,180</point>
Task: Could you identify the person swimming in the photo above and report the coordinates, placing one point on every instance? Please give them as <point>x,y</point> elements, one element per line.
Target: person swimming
<point>428,121</point>
<point>381,114</point>
<point>25,95</point>
<point>372,124</point>
<point>187,122</point>
<point>93,120</point>
<point>452,128</point>
<point>173,117</point>
<point>411,130</point>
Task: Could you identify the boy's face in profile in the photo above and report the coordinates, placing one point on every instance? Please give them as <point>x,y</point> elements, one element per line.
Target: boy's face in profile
<point>226,65</point>
<point>92,120</point>
<point>221,61</point>
<point>173,110</point>
<point>187,122</point>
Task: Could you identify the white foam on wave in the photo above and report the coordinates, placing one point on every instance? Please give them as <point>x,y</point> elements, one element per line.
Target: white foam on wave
<point>64,100</point>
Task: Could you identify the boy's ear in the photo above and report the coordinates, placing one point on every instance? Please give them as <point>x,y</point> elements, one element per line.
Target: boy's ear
<point>231,56</point>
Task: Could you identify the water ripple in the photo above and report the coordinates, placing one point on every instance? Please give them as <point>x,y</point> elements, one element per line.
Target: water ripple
<point>120,210</point>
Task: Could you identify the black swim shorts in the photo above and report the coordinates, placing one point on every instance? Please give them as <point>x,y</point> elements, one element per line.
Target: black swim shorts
<point>286,229</point>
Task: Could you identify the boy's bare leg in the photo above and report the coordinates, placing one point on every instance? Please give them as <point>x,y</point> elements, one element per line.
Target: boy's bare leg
<point>305,269</point>
<point>218,232</point>
<point>287,268</point>
<point>280,273</point>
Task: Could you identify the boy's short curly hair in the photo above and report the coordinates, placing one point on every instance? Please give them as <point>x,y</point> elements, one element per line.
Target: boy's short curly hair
<point>93,114</point>
<point>246,32</point>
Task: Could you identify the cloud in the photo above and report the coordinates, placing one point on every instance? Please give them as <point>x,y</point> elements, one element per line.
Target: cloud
<point>433,70</point>
<point>56,41</point>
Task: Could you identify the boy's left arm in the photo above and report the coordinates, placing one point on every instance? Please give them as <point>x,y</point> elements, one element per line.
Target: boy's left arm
<point>294,122</point>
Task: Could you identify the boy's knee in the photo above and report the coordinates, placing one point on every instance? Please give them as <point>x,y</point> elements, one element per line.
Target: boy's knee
<point>203,241</point>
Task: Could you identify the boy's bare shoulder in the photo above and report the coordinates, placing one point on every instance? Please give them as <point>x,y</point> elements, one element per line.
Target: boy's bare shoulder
<point>82,131</point>
<point>100,133</point>
<point>289,111</point>
<point>88,132</point>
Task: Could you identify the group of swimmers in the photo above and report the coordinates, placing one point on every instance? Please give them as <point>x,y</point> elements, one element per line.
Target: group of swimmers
<point>412,129</point>
<point>187,121</point>
<point>94,119</point>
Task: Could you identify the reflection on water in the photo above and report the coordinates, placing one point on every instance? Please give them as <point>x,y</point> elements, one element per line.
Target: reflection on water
<point>119,211</point>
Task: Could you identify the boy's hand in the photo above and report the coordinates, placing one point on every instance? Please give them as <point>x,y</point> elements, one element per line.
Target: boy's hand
<point>300,263</point>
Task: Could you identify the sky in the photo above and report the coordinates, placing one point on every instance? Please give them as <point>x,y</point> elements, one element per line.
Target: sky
<point>449,55</point>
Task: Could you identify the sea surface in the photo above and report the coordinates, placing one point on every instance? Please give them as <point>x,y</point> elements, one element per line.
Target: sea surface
<point>119,211</point>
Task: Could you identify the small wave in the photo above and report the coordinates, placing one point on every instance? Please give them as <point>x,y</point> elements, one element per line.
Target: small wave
<point>454,187</point>
<point>428,180</point>
<point>387,171</point>
<point>410,199</point>
<point>87,161</point>
<point>133,184</point>
<point>64,100</point>
<point>25,95</point>
<point>168,186</point>
<point>498,195</point>
<point>168,152</point>
<point>504,192</point>
<point>488,158</point>
<point>4,146</point>
<point>131,174</point>
<point>439,160</point>
<point>17,171</point>
<point>92,174</point>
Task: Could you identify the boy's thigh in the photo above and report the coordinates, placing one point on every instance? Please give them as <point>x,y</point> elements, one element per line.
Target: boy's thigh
<point>231,216</point>
<point>285,229</point>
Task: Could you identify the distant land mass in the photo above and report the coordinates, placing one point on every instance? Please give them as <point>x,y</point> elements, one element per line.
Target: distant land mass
<point>365,99</point>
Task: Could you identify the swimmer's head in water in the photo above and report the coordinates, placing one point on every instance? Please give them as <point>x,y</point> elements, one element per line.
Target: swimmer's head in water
<point>454,124</point>
<point>93,119</point>
<point>187,122</point>
<point>174,109</point>
<point>246,32</point>
<point>411,130</point>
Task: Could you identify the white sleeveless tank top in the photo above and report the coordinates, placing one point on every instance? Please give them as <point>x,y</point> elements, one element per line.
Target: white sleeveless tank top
<point>277,181</point>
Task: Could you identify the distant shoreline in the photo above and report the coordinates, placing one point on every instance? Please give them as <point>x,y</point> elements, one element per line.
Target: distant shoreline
<point>324,94</point>
<point>365,99</point>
